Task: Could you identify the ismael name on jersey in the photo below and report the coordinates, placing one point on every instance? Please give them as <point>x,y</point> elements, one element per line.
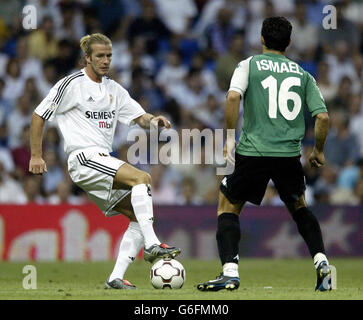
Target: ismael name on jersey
<point>279,67</point>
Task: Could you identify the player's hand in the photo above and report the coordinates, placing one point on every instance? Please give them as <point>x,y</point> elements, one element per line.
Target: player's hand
<point>159,122</point>
<point>37,165</point>
<point>229,149</point>
<point>317,159</point>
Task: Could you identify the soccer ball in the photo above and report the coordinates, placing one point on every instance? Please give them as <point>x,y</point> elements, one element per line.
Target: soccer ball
<point>167,273</point>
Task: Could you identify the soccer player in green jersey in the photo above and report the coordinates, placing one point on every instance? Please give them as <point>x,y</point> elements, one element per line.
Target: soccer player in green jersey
<point>275,91</point>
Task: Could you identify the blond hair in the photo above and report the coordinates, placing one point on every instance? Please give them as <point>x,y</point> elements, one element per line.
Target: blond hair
<point>88,40</point>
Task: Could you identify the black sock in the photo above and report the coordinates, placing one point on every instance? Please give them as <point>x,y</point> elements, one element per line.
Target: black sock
<point>309,228</point>
<point>228,237</point>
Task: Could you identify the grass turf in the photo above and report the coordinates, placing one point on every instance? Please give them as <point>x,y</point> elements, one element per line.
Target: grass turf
<point>260,279</point>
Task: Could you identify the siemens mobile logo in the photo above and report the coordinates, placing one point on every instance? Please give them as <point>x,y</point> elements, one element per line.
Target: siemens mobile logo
<point>100,115</point>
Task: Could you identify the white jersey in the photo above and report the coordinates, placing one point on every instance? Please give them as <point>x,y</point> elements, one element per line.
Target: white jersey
<point>87,112</point>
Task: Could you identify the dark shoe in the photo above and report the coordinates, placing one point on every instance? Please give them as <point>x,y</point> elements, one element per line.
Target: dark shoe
<point>221,282</point>
<point>323,277</point>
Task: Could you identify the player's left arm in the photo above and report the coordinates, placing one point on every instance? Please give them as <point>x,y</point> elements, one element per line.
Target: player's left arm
<point>148,121</point>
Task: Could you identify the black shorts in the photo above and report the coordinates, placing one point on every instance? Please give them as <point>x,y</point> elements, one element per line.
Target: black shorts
<point>251,175</point>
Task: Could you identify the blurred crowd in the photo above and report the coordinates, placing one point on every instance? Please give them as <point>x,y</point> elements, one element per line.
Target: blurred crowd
<point>176,58</point>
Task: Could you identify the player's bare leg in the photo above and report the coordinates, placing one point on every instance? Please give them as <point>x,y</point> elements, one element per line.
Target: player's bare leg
<point>129,177</point>
<point>309,229</point>
<point>228,237</point>
<point>224,205</point>
<point>125,208</point>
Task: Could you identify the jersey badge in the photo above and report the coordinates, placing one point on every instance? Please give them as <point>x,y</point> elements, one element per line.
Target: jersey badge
<point>90,99</point>
<point>111,98</point>
<point>53,106</point>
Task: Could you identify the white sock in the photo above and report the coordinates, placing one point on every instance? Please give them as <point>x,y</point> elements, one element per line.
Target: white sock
<point>318,258</point>
<point>230,269</point>
<point>142,204</point>
<point>131,243</point>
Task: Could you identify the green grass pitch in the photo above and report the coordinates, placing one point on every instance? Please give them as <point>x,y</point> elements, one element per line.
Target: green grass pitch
<point>260,279</point>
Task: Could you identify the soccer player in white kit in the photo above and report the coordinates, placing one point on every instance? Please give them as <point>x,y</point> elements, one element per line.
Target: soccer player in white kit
<point>87,106</point>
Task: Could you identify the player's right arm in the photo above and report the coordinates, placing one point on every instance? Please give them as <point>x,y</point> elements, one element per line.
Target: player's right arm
<point>59,99</point>
<point>37,164</point>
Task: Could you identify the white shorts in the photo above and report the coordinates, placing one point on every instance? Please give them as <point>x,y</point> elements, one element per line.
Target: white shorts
<point>93,170</point>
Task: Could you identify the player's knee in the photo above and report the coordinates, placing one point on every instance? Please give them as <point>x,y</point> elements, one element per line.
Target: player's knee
<point>146,178</point>
<point>141,178</point>
<point>294,206</point>
<point>224,205</point>
<point>302,214</point>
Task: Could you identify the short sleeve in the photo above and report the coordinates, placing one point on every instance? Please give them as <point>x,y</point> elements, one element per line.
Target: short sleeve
<point>313,97</point>
<point>58,100</point>
<point>129,109</point>
<point>239,81</point>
